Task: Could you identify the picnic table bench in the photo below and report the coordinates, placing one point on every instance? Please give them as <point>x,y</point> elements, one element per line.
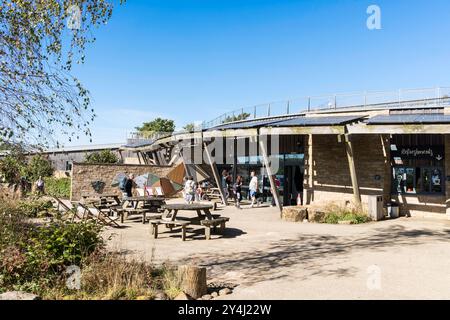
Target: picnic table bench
<point>171,210</point>
<point>170,224</point>
<point>208,224</point>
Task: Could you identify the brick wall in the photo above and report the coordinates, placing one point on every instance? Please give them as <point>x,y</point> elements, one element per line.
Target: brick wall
<point>331,175</point>
<point>84,174</point>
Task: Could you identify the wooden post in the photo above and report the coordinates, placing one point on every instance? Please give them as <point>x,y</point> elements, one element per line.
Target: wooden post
<point>273,186</point>
<point>215,173</point>
<point>193,280</point>
<point>387,179</point>
<point>308,196</point>
<point>351,165</point>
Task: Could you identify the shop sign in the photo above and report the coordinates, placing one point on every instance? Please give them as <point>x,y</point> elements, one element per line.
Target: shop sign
<point>418,152</point>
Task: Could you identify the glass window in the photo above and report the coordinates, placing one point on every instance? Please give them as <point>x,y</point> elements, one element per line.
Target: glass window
<point>418,180</point>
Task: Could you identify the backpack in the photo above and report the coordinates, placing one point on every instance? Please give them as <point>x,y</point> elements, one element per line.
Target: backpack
<point>123,183</point>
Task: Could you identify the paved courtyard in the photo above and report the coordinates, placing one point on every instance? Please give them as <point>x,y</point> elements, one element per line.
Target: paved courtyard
<point>268,258</point>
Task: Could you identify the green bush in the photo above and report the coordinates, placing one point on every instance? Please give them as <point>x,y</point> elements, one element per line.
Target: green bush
<point>335,213</point>
<point>33,258</point>
<point>38,166</point>
<point>57,187</point>
<point>104,156</point>
<point>36,207</point>
<point>11,168</point>
<point>332,218</point>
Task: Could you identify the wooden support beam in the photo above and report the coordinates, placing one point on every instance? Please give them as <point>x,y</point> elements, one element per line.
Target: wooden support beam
<point>351,165</point>
<point>273,186</point>
<point>387,179</point>
<point>215,173</point>
<point>308,196</point>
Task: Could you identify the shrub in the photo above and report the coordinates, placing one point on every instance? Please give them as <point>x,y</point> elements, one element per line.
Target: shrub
<point>34,208</point>
<point>38,166</point>
<point>104,156</point>
<point>33,257</point>
<point>11,168</point>
<point>335,213</point>
<point>57,187</point>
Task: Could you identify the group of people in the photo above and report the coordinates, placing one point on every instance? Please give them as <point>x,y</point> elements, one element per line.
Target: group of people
<point>194,191</point>
<point>234,190</point>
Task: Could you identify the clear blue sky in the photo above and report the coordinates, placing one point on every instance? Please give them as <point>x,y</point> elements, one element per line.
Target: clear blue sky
<point>193,60</point>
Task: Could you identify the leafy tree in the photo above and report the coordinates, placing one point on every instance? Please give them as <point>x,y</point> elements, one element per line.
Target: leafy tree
<point>241,116</point>
<point>38,166</point>
<point>157,125</point>
<point>39,42</point>
<point>190,127</point>
<point>11,168</point>
<point>104,156</point>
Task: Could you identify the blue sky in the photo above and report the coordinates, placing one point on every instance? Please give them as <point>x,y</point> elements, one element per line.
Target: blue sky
<point>193,60</point>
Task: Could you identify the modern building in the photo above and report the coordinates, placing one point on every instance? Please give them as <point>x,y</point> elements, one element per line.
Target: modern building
<point>63,158</point>
<point>396,148</point>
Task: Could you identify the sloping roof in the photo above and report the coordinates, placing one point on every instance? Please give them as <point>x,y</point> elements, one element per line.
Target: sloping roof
<point>317,121</point>
<point>91,147</point>
<point>409,119</point>
<point>248,124</point>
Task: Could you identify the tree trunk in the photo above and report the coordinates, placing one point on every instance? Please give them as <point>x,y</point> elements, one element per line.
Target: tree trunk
<point>193,280</point>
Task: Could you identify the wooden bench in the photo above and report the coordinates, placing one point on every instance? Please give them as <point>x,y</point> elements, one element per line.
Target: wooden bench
<point>208,224</point>
<point>132,211</point>
<point>170,224</point>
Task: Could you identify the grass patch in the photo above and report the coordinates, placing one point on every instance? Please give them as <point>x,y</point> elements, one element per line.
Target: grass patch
<point>335,213</point>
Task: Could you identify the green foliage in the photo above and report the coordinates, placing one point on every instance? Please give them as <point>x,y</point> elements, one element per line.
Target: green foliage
<point>35,207</point>
<point>157,125</point>
<point>33,258</point>
<point>57,187</point>
<point>62,244</point>
<point>104,156</point>
<point>38,166</point>
<point>334,214</point>
<point>37,93</point>
<point>241,116</point>
<point>11,168</point>
<point>190,127</point>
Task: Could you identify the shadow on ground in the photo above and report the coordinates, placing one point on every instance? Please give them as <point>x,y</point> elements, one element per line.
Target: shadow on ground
<point>315,254</point>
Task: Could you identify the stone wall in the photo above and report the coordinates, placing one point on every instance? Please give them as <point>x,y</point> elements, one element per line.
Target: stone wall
<point>84,174</point>
<point>331,174</point>
<point>332,183</point>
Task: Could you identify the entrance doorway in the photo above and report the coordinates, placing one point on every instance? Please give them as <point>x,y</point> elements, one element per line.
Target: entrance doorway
<point>293,184</point>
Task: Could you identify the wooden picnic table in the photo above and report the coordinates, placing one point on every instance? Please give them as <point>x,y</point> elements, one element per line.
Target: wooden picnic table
<point>171,210</point>
<point>152,201</point>
<point>102,198</point>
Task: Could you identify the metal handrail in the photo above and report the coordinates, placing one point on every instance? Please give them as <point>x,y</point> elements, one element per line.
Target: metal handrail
<point>332,101</point>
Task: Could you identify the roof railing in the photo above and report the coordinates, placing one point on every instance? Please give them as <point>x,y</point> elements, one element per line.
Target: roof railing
<point>333,101</point>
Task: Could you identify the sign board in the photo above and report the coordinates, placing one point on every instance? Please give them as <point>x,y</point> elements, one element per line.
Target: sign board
<point>418,152</point>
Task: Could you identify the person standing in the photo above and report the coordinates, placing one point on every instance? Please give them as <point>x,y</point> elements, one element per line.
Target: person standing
<point>253,188</point>
<point>224,185</point>
<point>189,189</point>
<point>237,189</point>
<point>40,185</point>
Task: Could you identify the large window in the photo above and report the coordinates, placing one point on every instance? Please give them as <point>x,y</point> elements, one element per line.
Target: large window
<point>418,164</point>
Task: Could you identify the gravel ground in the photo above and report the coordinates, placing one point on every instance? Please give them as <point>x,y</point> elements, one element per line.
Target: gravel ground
<point>406,258</point>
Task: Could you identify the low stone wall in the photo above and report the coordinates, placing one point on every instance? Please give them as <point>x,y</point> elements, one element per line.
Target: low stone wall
<point>83,175</point>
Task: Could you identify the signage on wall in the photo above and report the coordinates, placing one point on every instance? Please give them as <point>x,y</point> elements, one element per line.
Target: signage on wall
<point>418,152</point>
